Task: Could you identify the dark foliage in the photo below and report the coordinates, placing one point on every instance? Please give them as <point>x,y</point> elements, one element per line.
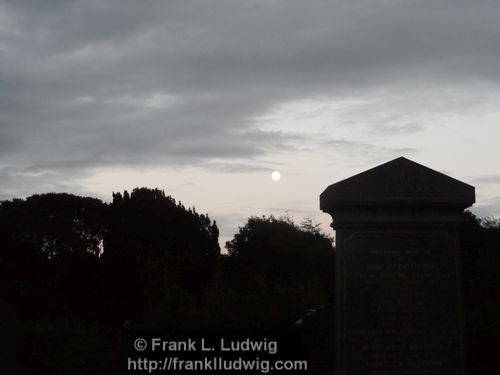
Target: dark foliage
<point>155,248</point>
<point>275,270</point>
<point>49,250</point>
<point>76,270</point>
<point>481,275</point>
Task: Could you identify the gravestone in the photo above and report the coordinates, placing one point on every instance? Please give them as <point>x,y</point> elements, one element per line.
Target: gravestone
<point>398,270</point>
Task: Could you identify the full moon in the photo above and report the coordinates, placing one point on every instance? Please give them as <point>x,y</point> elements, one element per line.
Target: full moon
<point>276,175</point>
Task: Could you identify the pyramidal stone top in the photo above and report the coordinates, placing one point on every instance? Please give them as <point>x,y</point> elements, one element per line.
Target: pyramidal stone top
<point>398,182</point>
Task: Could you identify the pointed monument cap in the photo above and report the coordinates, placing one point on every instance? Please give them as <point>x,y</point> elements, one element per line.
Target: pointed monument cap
<point>400,182</point>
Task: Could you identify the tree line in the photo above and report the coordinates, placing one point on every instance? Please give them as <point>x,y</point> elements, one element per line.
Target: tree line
<point>77,271</point>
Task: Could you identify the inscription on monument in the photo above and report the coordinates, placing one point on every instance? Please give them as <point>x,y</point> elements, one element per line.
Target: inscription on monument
<point>400,291</point>
<point>398,282</point>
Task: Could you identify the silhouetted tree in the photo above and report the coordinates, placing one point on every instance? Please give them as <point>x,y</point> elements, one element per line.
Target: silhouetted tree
<point>159,256</point>
<point>49,249</point>
<point>274,270</point>
<point>74,268</point>
<point>280,250</point>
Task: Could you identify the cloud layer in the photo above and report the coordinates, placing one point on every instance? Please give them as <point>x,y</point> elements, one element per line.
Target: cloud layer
<point>87,83</point>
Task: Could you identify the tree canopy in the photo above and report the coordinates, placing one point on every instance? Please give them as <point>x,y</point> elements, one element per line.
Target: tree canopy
<point>63,252</point>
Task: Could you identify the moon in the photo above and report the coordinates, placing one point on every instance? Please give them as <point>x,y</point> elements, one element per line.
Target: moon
<point>276,176</point>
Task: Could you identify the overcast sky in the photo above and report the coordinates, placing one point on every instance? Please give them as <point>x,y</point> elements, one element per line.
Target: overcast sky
<point>206,98</point>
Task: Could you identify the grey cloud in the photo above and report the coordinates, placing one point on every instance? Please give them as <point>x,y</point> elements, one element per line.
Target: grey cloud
<point>405,128</point>
<point>490,179</point>
<point>489,208</point>
<point>78,76</point>
<point>355,151</point>
<point>285,210</point>
<point>229,45</point>
<point>19,183</point>
<point>236,167</point>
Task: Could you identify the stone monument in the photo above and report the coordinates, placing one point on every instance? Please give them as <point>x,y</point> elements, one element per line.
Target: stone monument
<point>399,308</point>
